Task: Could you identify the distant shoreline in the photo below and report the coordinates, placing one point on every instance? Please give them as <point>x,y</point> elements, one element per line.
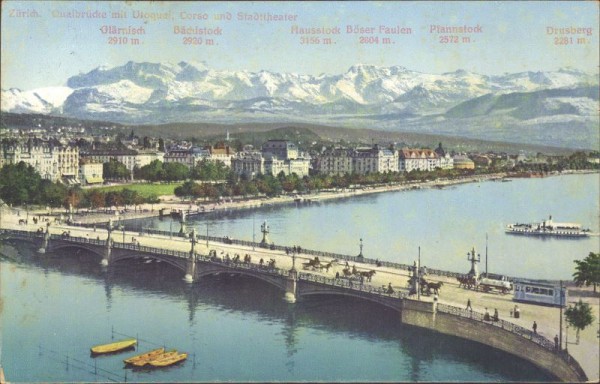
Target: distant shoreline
<point>174,204</point>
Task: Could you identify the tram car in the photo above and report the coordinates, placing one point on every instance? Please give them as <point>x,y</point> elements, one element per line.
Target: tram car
<point>540,293</point>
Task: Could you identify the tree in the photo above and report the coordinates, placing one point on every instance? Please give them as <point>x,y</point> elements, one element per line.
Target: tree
<point>579,316</point>
<point>587,271</point>
<point>174,172</point>
<point>115,170</point>
<point>19,184</point>
<point>96,198</point>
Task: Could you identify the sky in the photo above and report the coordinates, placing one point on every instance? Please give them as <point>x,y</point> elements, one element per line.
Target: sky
<point>43,44</point>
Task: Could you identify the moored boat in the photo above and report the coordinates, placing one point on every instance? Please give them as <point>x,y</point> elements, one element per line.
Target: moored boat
<point>168,360</point>
<point>144,357</point>
<point>548,228</point>
<point>163,355</point>
<point>113,347</point>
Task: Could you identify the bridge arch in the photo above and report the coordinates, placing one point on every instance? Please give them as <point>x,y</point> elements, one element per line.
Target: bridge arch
<point>388,302</point>
<point>213,269</point>
<point>56,247</point>
<point>119,256</point>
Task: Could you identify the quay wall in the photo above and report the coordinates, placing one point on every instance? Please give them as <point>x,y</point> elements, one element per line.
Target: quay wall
<point>425,315</point>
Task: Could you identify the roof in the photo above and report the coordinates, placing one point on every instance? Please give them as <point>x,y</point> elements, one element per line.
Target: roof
<point>418,154</point>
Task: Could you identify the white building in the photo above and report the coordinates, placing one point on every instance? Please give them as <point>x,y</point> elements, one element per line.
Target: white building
<point>91,173</point>
<point>248,164</point>
<point>131,158</point>
<point>339,161</point>
<point>419,159</point>
<point>52,160</point>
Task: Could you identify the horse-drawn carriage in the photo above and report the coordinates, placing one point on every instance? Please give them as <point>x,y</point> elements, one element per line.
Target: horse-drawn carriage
<point>426,287</point>
<point>485,284</point>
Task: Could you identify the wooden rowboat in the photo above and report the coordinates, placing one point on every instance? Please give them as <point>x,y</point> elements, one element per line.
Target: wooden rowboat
<point>163,355</point>
<point>169,360</point>
<point>113,347</point>
<point>144,357</point>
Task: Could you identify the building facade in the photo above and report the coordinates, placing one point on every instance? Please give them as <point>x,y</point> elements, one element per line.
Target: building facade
<point>90,173</point>
<point>248,164</point>
<point>276,156</point>
<point>339,161</point>
<point>52,160</point>
<point>417,159</point>
<point>130,157</point>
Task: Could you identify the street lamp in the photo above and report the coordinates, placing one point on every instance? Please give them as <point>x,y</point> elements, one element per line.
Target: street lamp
<point>122,228</point>
<point>361,248</point>
<point>294,260</point>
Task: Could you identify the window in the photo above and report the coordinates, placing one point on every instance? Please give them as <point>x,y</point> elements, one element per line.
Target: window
<point>527,289</point>
<point>535,290</point>
<point>551,292</point>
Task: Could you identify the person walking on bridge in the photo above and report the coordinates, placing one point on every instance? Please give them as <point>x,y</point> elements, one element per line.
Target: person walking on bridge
<point>534,327</point>
<point>469,305</point>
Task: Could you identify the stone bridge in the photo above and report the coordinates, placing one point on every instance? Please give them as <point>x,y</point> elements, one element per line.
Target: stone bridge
<point>194,266</point>
<point>441,318</point>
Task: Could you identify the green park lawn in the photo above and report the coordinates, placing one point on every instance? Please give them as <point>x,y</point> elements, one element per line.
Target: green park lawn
<point>146,190</point>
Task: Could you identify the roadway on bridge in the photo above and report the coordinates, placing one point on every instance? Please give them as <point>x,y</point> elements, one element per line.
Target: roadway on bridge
<point>586,352</point>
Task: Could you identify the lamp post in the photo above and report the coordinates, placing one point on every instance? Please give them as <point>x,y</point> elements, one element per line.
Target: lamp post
<point>419,275</point>
<point>294,261</point>
<point>122,228</point>
<point>561,318</point>
<point>361,248</point>
<point>171,228</point>
<point>207,234</point>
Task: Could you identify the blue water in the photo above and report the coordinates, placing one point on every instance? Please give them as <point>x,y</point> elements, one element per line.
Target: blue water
<point>445,224</point>
<point>235,329</point>
<point>55,307</point>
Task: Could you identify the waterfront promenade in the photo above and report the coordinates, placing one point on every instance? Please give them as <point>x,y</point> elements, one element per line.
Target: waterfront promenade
<point>547,318</point>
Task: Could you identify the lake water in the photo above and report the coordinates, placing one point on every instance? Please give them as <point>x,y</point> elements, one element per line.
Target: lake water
<point>445,223</point>
<point>55,307</point>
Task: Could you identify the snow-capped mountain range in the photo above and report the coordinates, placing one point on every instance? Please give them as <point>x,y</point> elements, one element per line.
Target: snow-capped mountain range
<point>144,88</point>
<point>191,91</point>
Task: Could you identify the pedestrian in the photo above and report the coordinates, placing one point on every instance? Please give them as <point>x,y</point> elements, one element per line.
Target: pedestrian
<point>495,314</point>
<point>517,312</point>
<point>534,327</point>
<point>469,305</point>
<point>337,275</point>
<point>556,342</point>
<point>486,316</point>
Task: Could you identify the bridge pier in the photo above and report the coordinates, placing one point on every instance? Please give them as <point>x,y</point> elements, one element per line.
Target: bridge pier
<point>109,244</point>
<point>291,287</point>
<point>190,267</point>
<point>46,240</point>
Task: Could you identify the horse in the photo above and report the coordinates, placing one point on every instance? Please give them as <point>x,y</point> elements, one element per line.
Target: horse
<point>327,266</point>
<point>347,272</point>
<point>314,263</point>
<point>435,286</point>
<point>466,281</point>
<point>368,275</point>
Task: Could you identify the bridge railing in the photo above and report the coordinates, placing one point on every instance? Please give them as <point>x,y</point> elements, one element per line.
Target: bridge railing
<point>500,323</point>
<point>344,283</point>
<point>513,328</point>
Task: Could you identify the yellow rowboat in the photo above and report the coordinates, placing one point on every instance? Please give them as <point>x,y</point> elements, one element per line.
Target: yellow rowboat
<point>163,355</point>
<point>113,347</point>
<point>144,357</point>
<point>170,360</point>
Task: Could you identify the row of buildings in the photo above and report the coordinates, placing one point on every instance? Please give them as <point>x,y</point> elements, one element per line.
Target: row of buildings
<point>57,161</point>
<point>339,161</point>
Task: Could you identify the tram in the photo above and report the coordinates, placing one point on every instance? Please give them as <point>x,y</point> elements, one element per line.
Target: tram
<point>540,293</point>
